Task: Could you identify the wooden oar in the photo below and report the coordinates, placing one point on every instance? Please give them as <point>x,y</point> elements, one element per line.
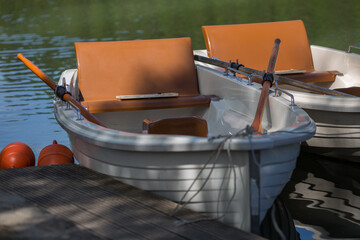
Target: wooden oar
<point>280,79</point>
<point>267,82</point>
<point>65,95</point>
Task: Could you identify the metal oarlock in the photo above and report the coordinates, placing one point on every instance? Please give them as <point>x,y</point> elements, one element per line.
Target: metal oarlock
<point>352,46</point>
<point>231,63</point>
<point>68,107</point>
<point>277,90</point>
<point>249,76</point>
<point>79,116</point>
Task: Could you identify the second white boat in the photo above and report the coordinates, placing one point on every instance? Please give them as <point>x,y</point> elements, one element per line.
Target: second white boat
<point>336,117</point>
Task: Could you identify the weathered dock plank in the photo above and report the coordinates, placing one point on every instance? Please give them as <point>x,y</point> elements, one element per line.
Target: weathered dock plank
<point>73,202</point>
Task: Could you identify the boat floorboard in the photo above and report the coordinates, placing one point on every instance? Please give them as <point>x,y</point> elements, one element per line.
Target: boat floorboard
<point>72,202</point>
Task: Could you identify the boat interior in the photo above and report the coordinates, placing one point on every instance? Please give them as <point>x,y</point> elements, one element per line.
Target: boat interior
<point>154,86</point>
<point>250,45</point>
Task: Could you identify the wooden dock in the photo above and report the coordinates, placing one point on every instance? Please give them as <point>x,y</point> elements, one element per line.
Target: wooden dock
<point>72,202</point>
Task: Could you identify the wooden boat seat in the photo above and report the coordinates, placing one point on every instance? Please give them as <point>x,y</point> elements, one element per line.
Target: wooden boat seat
<point>140,104</point>
<point>251,45</point>
<point>314,77</point>
<point>351,90</point>
<point>120,68</point>
<point>192,126</point>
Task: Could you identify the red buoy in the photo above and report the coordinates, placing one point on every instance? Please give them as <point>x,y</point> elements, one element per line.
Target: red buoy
<point>55,154</point>
<point>17,155</point>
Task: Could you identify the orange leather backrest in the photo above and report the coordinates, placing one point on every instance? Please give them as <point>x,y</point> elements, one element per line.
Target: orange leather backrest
<point>252,44</point>
<point>109,69</point>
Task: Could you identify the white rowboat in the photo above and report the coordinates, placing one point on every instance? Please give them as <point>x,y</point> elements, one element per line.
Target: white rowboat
<point>230,171</point>
<point>336,117</point>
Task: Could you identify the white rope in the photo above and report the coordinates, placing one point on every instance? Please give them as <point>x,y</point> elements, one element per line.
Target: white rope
<point>248,131</point>
<point>216,153</point>
<point>276,226</point>
<point>227,175</point>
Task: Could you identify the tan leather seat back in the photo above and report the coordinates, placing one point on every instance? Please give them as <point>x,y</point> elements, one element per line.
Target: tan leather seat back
<point>252,44</point>
<point>109,69</point>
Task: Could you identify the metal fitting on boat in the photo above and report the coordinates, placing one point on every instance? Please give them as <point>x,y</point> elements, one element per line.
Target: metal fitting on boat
<point>268,77</point>
<point>60,91</point>
<point>236,65</point>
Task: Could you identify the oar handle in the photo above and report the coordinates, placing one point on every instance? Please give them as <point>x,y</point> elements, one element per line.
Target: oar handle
<point>267,82</point>
<point>274,54</point>
<point>66,97</point>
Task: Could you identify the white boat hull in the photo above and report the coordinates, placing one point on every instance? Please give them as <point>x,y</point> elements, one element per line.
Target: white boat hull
<point>337,118</point>
<point>249,179</point>
<point>337,134</point>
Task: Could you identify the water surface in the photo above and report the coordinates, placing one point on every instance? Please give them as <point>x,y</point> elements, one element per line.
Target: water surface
<point>45,31</point>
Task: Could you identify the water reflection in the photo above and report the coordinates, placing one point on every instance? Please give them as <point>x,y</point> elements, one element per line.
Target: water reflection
<point>26,111</point>
<point>324,197</point>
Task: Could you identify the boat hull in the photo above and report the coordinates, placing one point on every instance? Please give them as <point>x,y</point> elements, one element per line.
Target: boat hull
<point>233,179</point>
<point>337,118</point>
<point>171,175</point>
<point>337,134</point>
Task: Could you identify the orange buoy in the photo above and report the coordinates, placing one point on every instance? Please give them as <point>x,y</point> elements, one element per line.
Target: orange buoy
<point>17,155</point>
<point>55,154</point>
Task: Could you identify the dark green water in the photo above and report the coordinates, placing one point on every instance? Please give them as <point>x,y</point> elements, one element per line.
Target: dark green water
<point>45,31</point>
